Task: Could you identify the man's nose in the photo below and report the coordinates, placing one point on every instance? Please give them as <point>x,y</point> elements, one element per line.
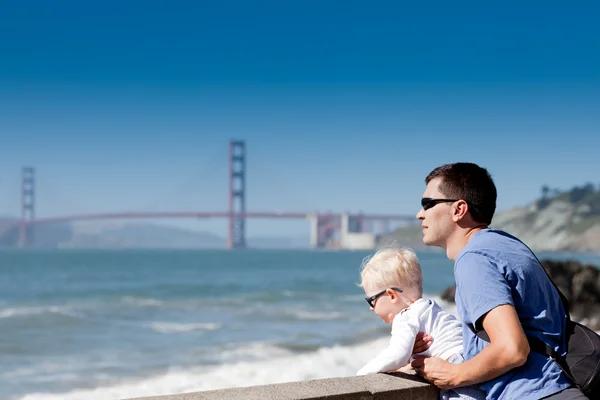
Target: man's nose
<point>420,214</point>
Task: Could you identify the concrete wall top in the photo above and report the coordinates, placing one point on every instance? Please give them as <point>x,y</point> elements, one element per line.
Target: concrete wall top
<point>394,386</point>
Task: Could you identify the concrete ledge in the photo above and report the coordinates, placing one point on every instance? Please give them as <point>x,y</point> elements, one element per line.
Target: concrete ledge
<point>394,386</point>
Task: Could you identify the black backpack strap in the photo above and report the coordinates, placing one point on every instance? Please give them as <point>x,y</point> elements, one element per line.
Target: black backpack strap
<point>482,334</point>
<point>534,343</point>
<point>539,346</point>
<point>563,299</point>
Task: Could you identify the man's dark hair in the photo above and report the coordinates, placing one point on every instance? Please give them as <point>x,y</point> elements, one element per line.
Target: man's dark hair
<point>471,183</point>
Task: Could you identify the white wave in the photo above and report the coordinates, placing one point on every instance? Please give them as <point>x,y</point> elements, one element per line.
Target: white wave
<point>338,361</point>
<point>353,298</point>
<point>33,310</point>
<point>253,351</point>
<point>170,327</point>
<point>313,315</point>
<point>41,368</point>
<point>141,301</point>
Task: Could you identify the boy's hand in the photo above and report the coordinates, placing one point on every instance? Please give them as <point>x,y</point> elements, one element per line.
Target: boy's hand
<point>422,342</point>
<point>406,368</point>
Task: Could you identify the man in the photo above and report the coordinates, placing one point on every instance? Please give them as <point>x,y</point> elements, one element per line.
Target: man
<point>500,288</point>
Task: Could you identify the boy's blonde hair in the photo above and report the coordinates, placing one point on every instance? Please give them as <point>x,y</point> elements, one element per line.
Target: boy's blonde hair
<point>392,267</point>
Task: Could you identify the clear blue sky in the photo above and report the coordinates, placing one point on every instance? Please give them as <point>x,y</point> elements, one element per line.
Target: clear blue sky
<point>343,105</point>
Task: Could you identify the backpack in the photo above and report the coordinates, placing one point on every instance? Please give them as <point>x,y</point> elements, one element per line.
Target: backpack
<point>581,364</point>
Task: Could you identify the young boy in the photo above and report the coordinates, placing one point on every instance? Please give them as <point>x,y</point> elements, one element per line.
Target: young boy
<point>393,282</point>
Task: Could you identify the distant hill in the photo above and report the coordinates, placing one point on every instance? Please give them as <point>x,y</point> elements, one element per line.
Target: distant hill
<point>96,234</point>
<point>410,236</point>
<point>46,236</point>
<point>272,242</point>
<point>99,235</point>
<point>8,232</point>
<point>140,235</point>
<point>6,223</point>
<point>557,221</point>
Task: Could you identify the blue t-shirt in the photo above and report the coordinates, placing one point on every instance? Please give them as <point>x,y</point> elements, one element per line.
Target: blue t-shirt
<point>495,268</point>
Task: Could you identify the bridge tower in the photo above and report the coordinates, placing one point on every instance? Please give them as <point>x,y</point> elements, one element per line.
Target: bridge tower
<point>27,206</point>
<point>237,194</point>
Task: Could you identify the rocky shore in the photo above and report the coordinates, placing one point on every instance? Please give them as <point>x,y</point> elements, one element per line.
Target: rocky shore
<point>580,283</point>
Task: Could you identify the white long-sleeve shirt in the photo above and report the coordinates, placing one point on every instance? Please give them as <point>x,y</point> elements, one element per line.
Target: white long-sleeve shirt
<point>421,316</point>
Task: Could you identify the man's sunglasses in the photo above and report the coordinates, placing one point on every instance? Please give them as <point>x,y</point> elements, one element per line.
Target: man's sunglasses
<point>428,202</point>
<point>371,300</point>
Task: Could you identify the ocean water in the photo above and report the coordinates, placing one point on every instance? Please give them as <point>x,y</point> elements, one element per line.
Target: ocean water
<point>116,324</point>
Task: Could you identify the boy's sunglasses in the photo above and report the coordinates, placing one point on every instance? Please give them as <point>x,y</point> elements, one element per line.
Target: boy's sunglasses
<point>428,202</point>
<point>371,300</point>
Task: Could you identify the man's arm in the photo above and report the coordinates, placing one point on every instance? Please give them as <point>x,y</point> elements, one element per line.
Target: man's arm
<point>508,349</point>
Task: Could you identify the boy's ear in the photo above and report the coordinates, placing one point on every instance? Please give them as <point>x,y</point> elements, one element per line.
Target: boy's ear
<point>394,296</point>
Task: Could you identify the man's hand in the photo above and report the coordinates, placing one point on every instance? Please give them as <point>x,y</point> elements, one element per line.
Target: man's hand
<point>422,342</point>
<point>439,372</point>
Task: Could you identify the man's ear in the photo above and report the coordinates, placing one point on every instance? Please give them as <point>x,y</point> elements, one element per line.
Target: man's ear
<point>459,210</point>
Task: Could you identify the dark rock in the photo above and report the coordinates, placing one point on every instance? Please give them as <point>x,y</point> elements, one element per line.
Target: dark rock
<point>579,283</point>
<point>448,294</point>
<point>585,299</point>
<point>562,273</point>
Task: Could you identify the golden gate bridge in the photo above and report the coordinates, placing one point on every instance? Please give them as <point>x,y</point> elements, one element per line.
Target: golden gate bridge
<point>324,226</point>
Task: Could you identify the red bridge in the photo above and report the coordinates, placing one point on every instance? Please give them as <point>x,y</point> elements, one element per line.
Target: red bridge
<point>324,225</point>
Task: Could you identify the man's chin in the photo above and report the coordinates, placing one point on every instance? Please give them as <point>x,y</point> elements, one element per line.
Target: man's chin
<point>430,242</point>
